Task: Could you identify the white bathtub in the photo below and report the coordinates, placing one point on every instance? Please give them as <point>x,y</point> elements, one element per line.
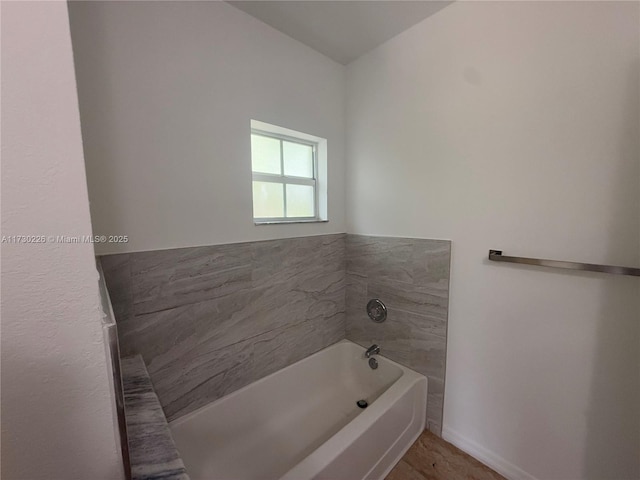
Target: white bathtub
<point>302,422</point>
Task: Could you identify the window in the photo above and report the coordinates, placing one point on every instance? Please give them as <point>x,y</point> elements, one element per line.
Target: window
<point>285,175</point>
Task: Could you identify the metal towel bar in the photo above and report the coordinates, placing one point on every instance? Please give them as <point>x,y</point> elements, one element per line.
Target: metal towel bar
<point>496,256</point>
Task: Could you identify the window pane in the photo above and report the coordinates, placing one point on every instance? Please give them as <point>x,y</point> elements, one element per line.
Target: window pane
<point>265,154</point>
<point>300,201</point>
<point>298,160</point>
<point>268,199</point>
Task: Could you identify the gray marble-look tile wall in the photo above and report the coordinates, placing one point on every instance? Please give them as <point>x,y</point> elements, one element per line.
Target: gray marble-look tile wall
<point>210,320</point>
<point>411,276</point>
<point>207,320</point>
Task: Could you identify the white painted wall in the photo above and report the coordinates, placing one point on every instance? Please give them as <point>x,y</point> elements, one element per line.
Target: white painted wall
<point>514,125</point>
<point>167,91</point>
<point>57,415</point>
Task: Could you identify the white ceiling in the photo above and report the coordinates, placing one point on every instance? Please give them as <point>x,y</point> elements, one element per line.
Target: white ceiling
<point>342,30</point>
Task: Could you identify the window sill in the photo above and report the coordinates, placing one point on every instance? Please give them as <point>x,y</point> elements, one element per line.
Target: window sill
<point>288,222</point>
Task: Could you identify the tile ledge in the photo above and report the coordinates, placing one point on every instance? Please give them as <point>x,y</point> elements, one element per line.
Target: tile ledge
<point>146,422</point>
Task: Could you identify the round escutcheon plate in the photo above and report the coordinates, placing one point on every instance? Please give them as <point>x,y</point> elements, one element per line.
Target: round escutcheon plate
<point>377,310</point>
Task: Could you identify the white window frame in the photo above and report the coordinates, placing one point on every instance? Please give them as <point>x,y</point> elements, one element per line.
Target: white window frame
<point>288,179</point>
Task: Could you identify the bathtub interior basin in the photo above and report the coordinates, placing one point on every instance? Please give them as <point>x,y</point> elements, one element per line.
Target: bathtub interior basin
<point>299,422</point>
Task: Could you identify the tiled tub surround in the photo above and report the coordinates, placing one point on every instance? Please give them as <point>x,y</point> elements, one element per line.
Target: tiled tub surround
<point>209,320</point>
<point>411,276</point>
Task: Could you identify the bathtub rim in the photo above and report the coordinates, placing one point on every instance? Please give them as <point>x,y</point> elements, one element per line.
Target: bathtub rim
<point>185,417</point>
<point>330,449</point>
